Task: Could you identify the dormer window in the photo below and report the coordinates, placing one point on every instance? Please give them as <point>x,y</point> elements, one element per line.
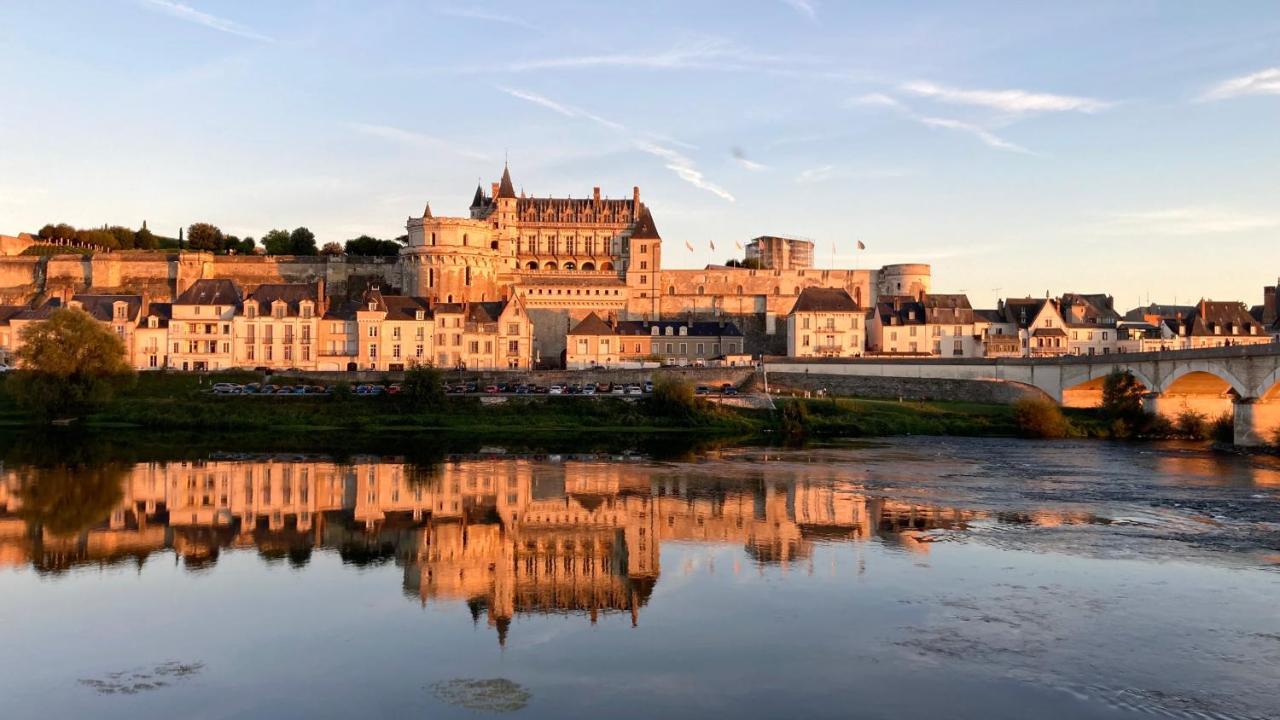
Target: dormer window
<point>153,322</point>
<point>684,330</point>
<point>306,310</point>
<point>121,309</point>
<point>669,331</point>
<point>419,315</point>
<point>653,330</point>
<point>911,314</point>
<point>373,306</point>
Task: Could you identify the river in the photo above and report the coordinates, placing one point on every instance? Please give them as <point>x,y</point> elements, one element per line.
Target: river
<point>913,577</point>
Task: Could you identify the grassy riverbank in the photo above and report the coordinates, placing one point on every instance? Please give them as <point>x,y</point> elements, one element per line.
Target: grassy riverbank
<point>177,404</point>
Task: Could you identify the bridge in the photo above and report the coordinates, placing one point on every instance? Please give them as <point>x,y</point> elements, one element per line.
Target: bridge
<point>1242,380</point>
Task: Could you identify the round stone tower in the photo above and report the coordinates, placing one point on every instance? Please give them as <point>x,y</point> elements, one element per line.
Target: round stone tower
<point>451,259</point>
<point>903,279</point>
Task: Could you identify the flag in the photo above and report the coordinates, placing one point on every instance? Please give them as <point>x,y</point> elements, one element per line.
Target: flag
<point>861,246</point>
<point>713,244</point>
<point>688,245</point>
<point>738,243</point>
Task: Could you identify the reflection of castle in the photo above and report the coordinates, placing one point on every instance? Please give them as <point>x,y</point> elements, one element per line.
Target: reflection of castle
<point>505,535</point>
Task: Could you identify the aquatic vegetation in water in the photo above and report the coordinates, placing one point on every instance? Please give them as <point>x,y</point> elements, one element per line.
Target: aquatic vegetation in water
<point>137,680</point>
<point>488,695</point>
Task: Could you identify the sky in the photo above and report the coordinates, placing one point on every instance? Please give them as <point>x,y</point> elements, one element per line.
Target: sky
<point>1130,147</point>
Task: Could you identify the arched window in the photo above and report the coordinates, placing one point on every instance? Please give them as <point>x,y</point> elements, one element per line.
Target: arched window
<point>776,290</point>
<point>671,290</point>
<point>531,265</point>
<point>464,238</point>
<point>796,291</point>
<point>739,289</point>
<point>570,266</point>
<point>549,266</point>
<point>701,290</point>
<point>493,245</point>
<point>588,267</point>
<point>607,267</point>
<point>433,238</point>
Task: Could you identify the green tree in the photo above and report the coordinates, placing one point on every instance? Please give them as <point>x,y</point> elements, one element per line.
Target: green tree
<point>423,387</point>
<point>70,364</point>
<point>206,237</point>
<point>1122,398</point>
<point>63,231</point>
<point>98,238</point>
<point>277,242</point>
<point>125,238</point>
<point>331,248</point>
<point>144,239</point>
<point>46,232</point>
<point>673,397</point>
<point>247,247</point>
<point>302,242</point>
<point>372,247</point>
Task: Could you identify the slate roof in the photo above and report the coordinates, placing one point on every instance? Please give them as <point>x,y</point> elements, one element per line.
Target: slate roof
<point>593,324</point>
<point>102,307</point>
<point>900,310</point>
<point>991,316</point>
<point>1088,309</point>
<point>211,292</point>
<point>1160,310</point>
<point>645,229</point>
<point>948,308</point>
<point>818,299</point>
<point>397,307</point>
<point>505,190</point>
<point>1022,311</point>
<point>1231,317</point>
<point>8,311</point>
<point>293,294</point>
<point>162,311</point>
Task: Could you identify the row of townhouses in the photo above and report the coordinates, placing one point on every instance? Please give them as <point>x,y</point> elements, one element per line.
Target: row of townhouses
<point>214,325</point>
<point>827,322</point>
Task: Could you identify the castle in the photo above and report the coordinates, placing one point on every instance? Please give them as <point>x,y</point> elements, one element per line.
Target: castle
<point>566,258</point>
<point>562,258</point>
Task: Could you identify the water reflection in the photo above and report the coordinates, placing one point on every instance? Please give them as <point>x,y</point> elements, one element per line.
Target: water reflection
<point>504,535</point>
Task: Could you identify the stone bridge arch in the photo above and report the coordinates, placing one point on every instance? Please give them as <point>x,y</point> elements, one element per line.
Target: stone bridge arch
<point>1082,387</point>
<point>1202,378</point>
<point>1269,388</point>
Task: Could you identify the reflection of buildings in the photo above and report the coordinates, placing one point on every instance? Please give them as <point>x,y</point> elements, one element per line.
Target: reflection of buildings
<point>505,535</point>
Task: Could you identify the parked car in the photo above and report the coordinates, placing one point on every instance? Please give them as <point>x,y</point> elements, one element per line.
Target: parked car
<point>522,389</point>
<point>617,390</point>
<point>393,389</point>
<point>252,388</point>
<point>648,386</point>
<point>603,388</point>
<point>4,368</point>
<point>491,389</point>
<point>634,390</point>
<point>555,390</point>
<point>702,390</point>
<point>270,389</point>
<point>729,390</point>
<point>574,389</point>
<point>286,390</point>
<point>225,388</point>
<point>589,389</point>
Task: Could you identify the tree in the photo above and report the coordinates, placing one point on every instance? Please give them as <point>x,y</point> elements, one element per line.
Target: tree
<point>1122,397</point>
<point>277,242</point>
<point>125,238</point>
<point>46,232</point>
<point>67,498</point>
<point>423,387</point>
<point>331,248</point>
<point>1039,417</point>
<point>206,237</point>
<point>144,239</point>
<point>673,397</point>
<point>302,242</point>
<point>98,238</point>
<point>63,231</point>
<point>70,364</point>
<point>247,247</point>
<point>372,247</point>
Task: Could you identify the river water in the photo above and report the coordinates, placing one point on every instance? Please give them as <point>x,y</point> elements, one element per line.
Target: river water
<point>919,577</point>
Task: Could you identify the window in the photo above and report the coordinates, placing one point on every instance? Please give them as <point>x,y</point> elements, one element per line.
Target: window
<point>373,331</point>
<point>804,323</point>
<point>473,347</point>
<point>513,347</point>
<point>513,328</point>
<point>373,350</point>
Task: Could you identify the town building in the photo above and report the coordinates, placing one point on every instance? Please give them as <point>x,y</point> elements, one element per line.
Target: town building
<point>926,325</point>
<point>200,329</point>
<point>826,322</point>
<point>1039,325</point>
<point>1091,321</point>
<point>597,342</point>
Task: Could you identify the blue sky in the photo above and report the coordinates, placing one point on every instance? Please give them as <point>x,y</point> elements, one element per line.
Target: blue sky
<point>1125,147</point>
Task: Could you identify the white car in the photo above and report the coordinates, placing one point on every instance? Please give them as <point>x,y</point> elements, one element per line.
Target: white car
<point>555,390</point>
<point>634,390</point>
<point>4,368</point>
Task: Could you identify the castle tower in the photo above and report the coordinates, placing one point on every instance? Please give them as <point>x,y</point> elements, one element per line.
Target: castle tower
<point>451,259</point>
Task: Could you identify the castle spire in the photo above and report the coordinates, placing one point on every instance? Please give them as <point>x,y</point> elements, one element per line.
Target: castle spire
<point>427,213</point>
<point>505,188</point>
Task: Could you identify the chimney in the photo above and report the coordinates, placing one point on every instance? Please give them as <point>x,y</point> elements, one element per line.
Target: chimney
<point>322,302</point>
<point>494,187</point>
<point>595,194</point>
<point>1270,308</point>
<point>635,199</point>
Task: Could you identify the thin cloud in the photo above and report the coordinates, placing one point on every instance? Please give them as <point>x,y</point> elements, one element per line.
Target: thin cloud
<point>987,137</point>
<point>1010,101</point>
<point>414,139</point>
<point>1263,82</point>
<point>485,16</point>
<point>674,160</point>
<point>190,14</point>
<point>804,7</point>
<point>704,53</point>
<point>1188,220</point>
<point>740,157</point>
<point>817,174</point>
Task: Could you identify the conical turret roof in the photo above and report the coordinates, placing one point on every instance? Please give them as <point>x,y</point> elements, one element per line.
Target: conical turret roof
<point>505,188</point>
<point>645,229</point>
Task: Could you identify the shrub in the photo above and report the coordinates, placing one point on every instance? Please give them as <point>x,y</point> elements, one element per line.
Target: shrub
<point>70,364</point>
<point>1223,429</point>
<point>1192,424</point>
<point>795,419</point>
<point>1157,426</point>
<point>1039,418</point>
<point>423,387</point>
<point>673,397</point>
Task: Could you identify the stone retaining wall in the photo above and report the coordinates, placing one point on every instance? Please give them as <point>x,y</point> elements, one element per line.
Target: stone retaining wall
<point>907,388</point>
